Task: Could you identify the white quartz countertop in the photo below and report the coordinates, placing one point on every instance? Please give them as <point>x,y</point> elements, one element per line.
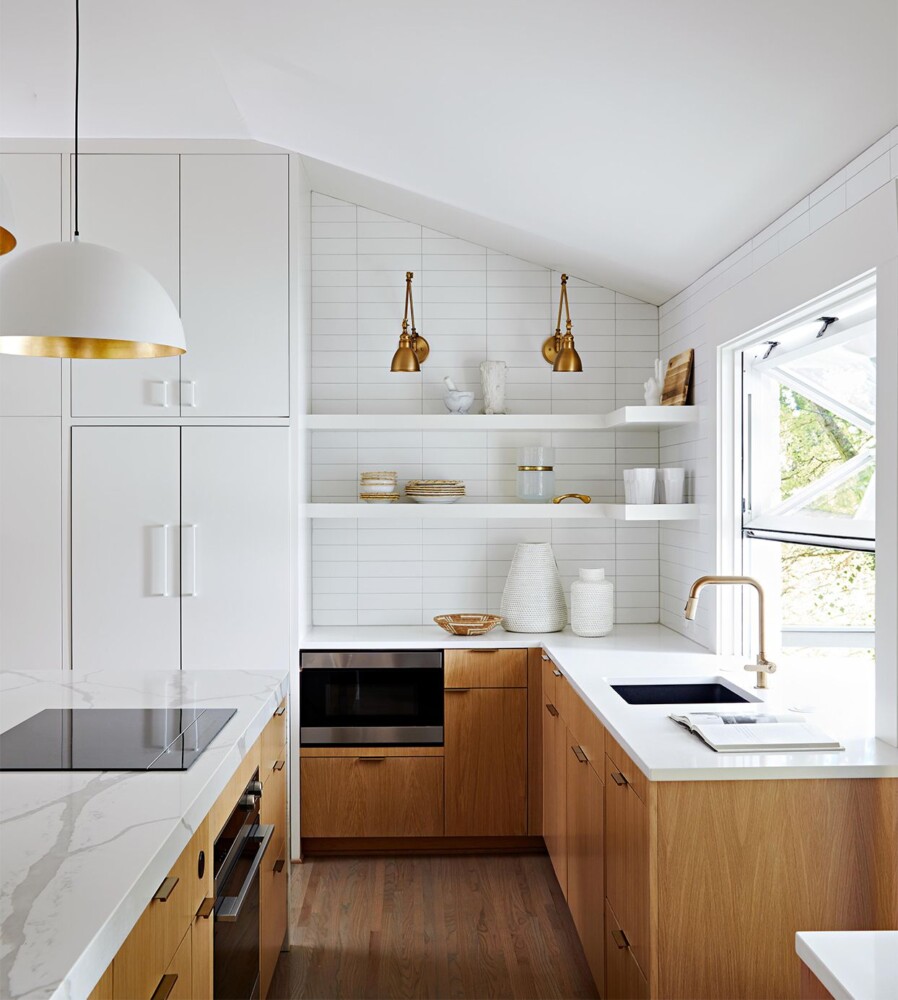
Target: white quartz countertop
<point>836,698</point>
<point>81,853</point>
<point>852,965</point>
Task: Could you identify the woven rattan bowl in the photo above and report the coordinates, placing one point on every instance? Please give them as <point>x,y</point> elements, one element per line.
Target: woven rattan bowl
<point>467,624</point>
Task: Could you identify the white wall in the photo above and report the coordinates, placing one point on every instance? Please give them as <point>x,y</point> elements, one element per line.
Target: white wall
<point>472,304</point>
<point>844,228</point>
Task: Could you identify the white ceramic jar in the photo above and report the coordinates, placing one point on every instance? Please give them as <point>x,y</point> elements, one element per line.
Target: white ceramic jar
<point>592,603</point>
<point>533,598</point>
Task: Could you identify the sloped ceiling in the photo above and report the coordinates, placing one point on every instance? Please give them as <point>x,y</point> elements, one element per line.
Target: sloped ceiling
<point>646,139</point>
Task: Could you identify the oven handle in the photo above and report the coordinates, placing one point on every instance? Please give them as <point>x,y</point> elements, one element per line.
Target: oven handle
<point>230,907</point>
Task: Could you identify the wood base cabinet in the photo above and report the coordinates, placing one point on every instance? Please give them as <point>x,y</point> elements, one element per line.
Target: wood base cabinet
<point>554,778</point>
<point>623,977</point>
<point>275,868</point>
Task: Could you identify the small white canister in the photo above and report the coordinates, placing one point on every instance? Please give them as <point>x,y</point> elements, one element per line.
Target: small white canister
<point>592,603</point>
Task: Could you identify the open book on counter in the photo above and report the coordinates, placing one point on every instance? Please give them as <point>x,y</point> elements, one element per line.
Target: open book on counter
<point>732,732</point>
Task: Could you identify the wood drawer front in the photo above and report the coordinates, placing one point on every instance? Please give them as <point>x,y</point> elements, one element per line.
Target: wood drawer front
<point>623,977</point>
<point>273,806</point>
<point>492,668</point>
<point>586,730</point>
<point>370,797</point>
<point>549,679</point>
<point>636,779</point>
<point>273,740</point>
<point>194,875</point>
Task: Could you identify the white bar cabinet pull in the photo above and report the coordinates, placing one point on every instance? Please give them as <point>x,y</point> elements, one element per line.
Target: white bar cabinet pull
<point>188,560</point>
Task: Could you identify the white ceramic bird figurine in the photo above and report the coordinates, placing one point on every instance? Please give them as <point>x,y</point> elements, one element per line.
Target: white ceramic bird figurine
<point>654,385</point>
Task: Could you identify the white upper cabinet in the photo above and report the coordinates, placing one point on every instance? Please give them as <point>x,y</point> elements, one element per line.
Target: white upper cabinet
<point>126,611</point>
<point>234,285</point>
<point>31,387</point>
<point>30,543</point>
<point>131,203</point>
<point>235,548</point>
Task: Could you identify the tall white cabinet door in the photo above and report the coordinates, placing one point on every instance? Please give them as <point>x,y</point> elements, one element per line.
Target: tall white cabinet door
<point>235,540</point>
<point>234,285</point>
<point>31,387</point>
<point>30,543</point>
<point>131,203</point>
<point>125,558</point>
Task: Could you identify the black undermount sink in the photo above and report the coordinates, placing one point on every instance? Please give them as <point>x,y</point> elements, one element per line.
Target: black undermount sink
<point>702,693</point>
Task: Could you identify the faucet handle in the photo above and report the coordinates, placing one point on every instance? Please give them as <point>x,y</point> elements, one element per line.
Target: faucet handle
<point>761,666</point>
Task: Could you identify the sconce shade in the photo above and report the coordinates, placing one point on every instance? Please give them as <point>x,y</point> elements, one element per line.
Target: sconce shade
<point>7,221</point>
<point>567,359</point>
<point>7,240</point>
<point>82,300</point>
<point>558,350</point>
<point>405,359</point>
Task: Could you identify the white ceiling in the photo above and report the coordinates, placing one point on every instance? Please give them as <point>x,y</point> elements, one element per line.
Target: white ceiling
<point>644,139</point>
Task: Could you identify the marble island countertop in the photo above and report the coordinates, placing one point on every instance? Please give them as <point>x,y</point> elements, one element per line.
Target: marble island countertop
<point>852,965</point>
<point>834,696</point>
<point>81,853</point>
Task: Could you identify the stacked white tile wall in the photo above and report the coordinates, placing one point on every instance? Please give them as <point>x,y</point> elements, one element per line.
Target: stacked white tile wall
<point>688,548</point>
<point>472,304</point>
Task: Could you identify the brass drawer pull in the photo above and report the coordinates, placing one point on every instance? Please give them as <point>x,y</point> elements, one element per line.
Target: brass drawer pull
<point>483,650</point>
<point>370,760</point>
<point>166,985</point>
<point>457,690</point>
<point>556,672</point>
<point>545,657</point>
<point>580,755</point>
<point>279,866</point>
<point>206,908</point>
<point>552,710</point>
<point>618,778</point>
<point>620,939</point>
<point>280,710</point>
<point>279,765</point>
<point>165,890</point>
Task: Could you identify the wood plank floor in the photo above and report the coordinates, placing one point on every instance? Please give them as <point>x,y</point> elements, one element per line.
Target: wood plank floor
<point>461,926</point>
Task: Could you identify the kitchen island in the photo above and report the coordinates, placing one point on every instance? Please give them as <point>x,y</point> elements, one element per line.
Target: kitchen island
<point>81,853</point>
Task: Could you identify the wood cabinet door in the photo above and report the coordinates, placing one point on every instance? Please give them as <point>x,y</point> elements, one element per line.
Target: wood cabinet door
<point>129,202</point>
<point>485,668</point>
<point>126,507</point>
<point>235,548</point>
<point>585,800</point>
<point>181,968</point>
<point>31,542</point>
<point>138,967</point>
<point>627,859</point>
<point>623,977</point>
<point>370,796</point>
<point>235,285</point>
<point>554,791</point>
<point>32,387</point>
<point>273,877</point>
<point>203,963</point>
<point>485,735</point>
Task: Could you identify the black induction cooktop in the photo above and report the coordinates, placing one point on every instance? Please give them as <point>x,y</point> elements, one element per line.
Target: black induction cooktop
<point>111,739</point>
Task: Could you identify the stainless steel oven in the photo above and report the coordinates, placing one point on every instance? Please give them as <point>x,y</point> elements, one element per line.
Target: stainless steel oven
<point>237,856</point>
<point>371,698</point>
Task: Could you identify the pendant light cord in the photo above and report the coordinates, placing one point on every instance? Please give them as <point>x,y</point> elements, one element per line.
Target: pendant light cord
<point>77,84</point>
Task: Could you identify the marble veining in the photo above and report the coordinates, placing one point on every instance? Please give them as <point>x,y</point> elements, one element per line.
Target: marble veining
<point>81,853</point>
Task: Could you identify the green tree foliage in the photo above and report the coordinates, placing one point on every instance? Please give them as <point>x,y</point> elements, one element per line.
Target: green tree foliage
<point>823,586</point>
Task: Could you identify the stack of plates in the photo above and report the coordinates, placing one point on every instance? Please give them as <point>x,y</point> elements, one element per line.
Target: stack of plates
<point>435,490</point>
<point>378,487</point>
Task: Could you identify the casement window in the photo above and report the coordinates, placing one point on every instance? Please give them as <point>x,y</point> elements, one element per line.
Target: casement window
<point>809,467</point>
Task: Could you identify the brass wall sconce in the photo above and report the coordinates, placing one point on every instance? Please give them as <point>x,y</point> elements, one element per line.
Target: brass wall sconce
<point>559,350</point>
<point>413,348</point>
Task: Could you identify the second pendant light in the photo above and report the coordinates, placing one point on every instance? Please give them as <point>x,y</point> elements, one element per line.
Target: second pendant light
<point>558,350</point>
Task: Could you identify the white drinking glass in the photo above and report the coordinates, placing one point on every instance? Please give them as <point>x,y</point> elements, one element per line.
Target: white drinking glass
<point>639,485</point>
<point>673,485</point>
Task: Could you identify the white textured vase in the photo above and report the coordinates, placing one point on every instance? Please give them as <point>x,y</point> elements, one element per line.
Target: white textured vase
<point>592,603</point>
<point>492,381</point>
<point>533,598</point>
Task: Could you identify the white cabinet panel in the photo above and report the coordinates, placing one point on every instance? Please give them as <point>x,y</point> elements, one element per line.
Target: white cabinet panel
<point>234,285</point>
<point>31,387</point>
<point>125,558</point>
<point>235,548</point>
<point>131,203</point>
<point>30,543</point>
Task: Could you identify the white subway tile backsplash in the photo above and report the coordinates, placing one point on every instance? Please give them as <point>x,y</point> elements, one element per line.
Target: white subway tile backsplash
<point>471,304</point>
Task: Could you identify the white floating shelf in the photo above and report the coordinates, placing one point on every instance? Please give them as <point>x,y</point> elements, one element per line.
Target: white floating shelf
<point>505,511</point>
<point>636,417</point>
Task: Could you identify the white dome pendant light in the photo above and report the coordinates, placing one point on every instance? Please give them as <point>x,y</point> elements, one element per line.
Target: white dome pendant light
<point>82,300</point>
